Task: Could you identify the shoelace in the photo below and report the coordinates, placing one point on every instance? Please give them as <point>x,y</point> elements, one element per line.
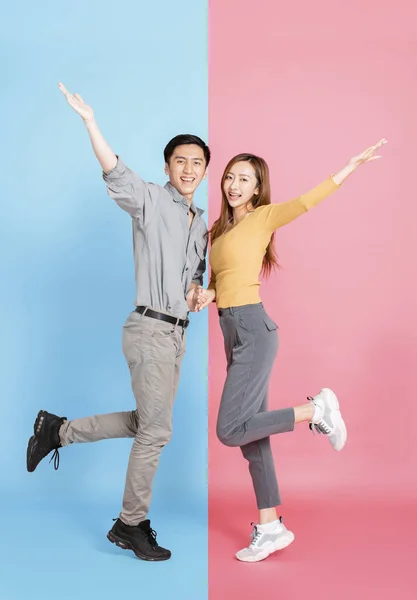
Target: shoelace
<point>55,458</point>
<point>151,533</point>
<point>255,535</point>
<point>313,428</point>
<point>321,426</point>
<point>152,537</point>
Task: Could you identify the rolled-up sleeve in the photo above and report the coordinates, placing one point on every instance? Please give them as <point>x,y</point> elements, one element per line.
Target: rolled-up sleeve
<point>131,193</point>
<point>201,249</point>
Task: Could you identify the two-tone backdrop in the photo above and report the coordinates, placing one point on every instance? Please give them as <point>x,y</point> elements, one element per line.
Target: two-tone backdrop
<point>306,86</point>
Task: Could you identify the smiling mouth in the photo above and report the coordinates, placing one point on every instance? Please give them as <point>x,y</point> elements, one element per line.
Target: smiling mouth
<point>187,179</point>
<point>234,196</point>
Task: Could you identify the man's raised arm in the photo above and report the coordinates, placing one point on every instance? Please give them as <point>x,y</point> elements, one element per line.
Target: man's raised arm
<point>130,192</point>
<point>105,155</point>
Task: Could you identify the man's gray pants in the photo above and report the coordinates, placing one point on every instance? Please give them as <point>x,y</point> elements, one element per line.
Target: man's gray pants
<point>251,344</point>
<point>154,351</point>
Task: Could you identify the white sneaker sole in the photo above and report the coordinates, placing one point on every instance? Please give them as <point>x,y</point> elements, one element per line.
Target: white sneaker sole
<point>333,403</point>
<point>281,543</point>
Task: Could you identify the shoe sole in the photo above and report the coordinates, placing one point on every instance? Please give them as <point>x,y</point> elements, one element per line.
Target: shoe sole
<point>124,545</point>
<point>280,544</point>
<point>333,403</point>
<point>30,468</point>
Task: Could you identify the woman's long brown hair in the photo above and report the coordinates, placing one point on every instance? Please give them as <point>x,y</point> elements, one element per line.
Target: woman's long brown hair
<point>264,197</point>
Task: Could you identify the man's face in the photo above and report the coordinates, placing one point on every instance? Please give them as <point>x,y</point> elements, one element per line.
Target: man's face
<point>186,169</point>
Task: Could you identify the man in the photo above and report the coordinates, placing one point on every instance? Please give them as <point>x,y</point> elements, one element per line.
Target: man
<point>169,237</point>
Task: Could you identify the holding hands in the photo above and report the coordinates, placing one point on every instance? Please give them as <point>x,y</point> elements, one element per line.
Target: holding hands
<point>204,298</point>
<point>199,298</point>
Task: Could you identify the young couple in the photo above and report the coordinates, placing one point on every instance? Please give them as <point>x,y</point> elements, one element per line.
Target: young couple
<point>170,242</point>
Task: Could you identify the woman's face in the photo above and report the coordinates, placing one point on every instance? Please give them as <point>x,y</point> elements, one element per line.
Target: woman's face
<point>240,184</point>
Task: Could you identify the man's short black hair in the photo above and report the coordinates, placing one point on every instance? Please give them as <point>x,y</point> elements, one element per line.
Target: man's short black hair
<point>182,139</point>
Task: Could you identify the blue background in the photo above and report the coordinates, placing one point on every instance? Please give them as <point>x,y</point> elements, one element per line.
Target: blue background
<point>67,286</point>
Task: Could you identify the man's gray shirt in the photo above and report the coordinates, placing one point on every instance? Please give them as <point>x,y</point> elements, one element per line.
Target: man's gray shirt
<point>168,255</point>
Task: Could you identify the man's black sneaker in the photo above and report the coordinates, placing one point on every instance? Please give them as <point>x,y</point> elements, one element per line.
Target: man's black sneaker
<point>139,538</point>
<point>44,440</point>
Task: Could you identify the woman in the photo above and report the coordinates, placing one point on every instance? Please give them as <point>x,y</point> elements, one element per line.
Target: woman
<point>242,246</point>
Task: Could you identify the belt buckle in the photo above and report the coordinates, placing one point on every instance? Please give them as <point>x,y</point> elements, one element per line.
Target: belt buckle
<point>186,323</point>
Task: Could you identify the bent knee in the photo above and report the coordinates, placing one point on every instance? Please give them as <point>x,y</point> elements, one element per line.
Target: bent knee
<point>227,437</point>
<point>156,439</point>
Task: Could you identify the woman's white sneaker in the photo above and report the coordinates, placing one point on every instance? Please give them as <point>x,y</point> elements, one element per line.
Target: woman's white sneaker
<point>266,539</point>
<point>328,418</point>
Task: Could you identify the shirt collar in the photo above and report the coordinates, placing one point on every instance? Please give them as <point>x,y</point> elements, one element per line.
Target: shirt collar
<point>177,197</point>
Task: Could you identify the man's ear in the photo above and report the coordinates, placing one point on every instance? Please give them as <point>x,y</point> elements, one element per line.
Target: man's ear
<point>205,173</point>
<point>166,169</point>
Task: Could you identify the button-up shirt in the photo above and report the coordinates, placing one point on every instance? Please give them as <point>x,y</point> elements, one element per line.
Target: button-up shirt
<point>169,255</point>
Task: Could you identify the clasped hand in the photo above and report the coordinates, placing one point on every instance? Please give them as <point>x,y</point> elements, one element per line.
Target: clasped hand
<point>199,298</point>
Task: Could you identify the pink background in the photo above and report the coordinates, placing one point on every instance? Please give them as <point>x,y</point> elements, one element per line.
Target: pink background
<point>306,86</point>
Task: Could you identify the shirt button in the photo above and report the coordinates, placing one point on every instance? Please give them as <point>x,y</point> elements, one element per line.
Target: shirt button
<point>186,269</point>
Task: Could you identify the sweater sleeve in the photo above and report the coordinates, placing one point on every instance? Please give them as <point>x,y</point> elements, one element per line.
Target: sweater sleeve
<point>277,215</point>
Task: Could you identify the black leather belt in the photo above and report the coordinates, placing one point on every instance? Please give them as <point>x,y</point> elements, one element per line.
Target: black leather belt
<point>162,316</point>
